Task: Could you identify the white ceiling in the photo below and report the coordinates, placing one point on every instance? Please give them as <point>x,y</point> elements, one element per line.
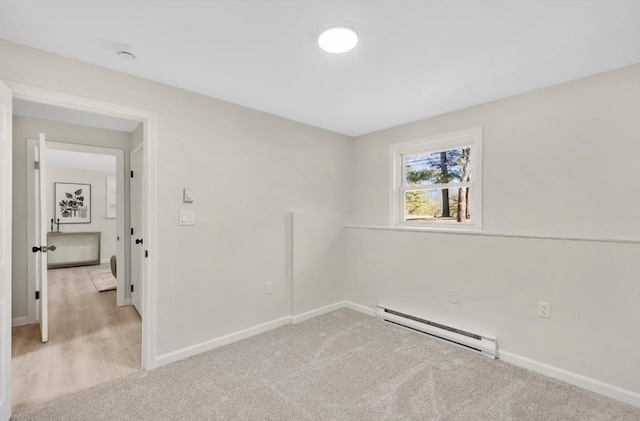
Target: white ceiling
<point>67,115</point>
<point>81,160</point>
<point>415,58</point>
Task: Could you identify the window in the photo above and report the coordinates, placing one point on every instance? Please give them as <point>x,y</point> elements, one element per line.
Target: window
<point>437,181</point>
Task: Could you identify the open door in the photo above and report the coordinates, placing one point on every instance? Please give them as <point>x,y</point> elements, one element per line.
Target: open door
<point>41,237</point>
<point>137,242</point>
<point>5,250</point>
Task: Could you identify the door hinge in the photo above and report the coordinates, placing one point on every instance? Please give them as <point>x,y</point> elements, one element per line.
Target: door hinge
<point>131,287</point>
<point>36,165</point>
<point>37,295</point>
<point>146,253</point>
<point>131,173</point>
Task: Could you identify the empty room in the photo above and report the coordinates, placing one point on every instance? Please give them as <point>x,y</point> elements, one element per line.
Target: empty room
<point>320,210</point>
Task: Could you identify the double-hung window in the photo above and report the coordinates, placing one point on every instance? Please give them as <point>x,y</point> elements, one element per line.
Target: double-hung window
<point>437,181</point>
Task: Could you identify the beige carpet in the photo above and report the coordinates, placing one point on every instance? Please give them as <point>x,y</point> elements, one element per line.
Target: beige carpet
<point>340,366</point>
<point>103,279</point>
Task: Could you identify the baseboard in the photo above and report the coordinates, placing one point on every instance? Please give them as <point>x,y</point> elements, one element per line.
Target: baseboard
<point>126,302</point>
<point>358,307</point>
<point>614,392</point>
<point>611,391</point>
<point>256,330</point>
<point>220,341</point>
<point>317,312</point>
<point>19,321</point>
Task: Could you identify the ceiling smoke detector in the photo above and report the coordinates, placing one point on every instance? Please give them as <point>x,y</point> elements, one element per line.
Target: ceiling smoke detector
<point>338,39</point>
<point>126,52</point>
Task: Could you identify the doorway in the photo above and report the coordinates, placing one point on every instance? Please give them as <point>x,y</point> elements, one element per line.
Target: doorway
<point>77,219</point>
<point>146,289</point>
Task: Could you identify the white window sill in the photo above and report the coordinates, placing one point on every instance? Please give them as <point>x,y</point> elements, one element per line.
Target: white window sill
<point>457,231</point>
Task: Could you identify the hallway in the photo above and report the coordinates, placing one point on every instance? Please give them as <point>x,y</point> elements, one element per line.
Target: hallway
<point>91,341</point>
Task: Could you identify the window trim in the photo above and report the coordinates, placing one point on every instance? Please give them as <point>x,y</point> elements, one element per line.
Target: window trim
<point>471,138</point>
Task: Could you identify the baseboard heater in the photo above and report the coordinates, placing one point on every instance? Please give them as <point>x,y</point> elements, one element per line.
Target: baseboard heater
<point>484,344</point>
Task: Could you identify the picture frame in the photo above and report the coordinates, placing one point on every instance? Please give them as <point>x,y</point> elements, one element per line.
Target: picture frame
<point>72,203</point>
<point>111,197</point>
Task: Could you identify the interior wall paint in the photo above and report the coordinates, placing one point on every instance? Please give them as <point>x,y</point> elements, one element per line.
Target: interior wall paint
<point>561,161</point>
<point>99,222</point>
<point>318,261</point>
<point>136,136</point>
<point>249,170</point>
<point>553,159</point>
<point>28,128</point>
<point>593,288</point>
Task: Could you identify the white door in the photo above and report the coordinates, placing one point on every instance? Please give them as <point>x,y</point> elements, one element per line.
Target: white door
<point>137,240</point>
<point>5,251</point>
<point>40,248</point>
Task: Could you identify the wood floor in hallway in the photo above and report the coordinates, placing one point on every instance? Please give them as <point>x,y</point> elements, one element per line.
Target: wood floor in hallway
<point>91,341</point>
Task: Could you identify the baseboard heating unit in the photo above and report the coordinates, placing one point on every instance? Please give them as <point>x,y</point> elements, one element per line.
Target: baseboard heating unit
<point>484,344</point>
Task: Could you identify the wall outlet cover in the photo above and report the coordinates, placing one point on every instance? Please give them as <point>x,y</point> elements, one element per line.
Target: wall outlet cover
<point>544,309</point>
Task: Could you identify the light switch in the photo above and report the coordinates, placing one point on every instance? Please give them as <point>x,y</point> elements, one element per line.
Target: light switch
<point>187,195</point>
<point>187,218</point>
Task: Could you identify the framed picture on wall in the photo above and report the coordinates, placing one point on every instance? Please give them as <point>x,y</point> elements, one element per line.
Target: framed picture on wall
<point>73,203</point>
<point>111,197</point>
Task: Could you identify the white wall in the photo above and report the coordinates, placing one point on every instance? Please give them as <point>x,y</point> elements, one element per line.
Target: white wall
<point>318,261</point>
<point>28,128</point>
<point>136,137</point>
<point>561,161</point>
<point>99,222</point>
<point>249,170</point>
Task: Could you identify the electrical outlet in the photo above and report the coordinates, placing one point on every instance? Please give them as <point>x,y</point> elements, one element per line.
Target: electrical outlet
<point>544,310</point>
<point>453,296</point>
<point>268,288</point>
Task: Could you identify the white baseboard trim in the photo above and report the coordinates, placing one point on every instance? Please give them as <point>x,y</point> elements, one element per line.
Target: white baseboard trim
<point>126,302</point>
<point>358,307</point>
<point>579,380</point>
<point>611,391</point>
<point>317,312</point>
<point>19,321</point>
<point>190,351</point>
<point>220,341</point>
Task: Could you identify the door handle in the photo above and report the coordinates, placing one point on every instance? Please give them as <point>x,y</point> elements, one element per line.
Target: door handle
<point>43,249</point>
<point>138,240</point>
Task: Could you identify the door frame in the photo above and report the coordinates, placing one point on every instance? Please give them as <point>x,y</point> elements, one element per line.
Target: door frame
<point>121,300</point>
<point>135,150</point>
<point>149,186</point>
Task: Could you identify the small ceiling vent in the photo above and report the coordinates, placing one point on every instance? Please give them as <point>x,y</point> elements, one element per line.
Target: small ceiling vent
<point>126,52</point>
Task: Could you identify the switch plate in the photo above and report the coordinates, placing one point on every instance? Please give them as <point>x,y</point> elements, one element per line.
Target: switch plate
<point>268,288</point>
<point>453,296</point>
<point>187,195</point>
<point>544,310</point>
<point>187,218</point>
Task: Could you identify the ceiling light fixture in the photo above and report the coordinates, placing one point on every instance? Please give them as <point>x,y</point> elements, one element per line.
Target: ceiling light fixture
<point>338,39</point>
<point>126,52</point>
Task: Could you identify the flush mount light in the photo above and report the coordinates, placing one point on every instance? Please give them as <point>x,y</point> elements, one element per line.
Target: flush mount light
<point>126,52</point>
<point>338,39</point>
